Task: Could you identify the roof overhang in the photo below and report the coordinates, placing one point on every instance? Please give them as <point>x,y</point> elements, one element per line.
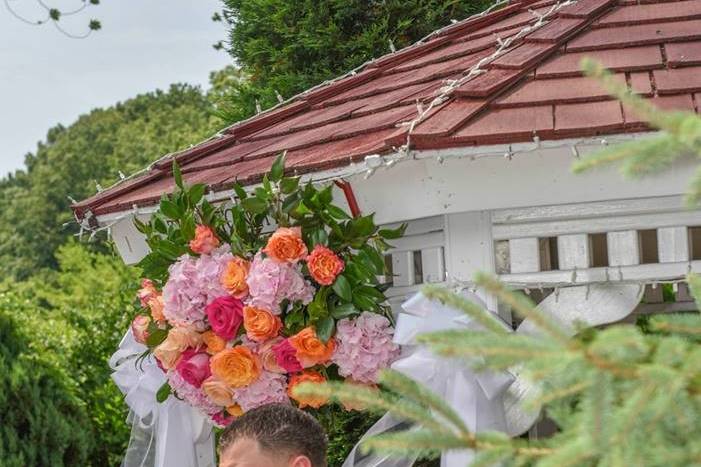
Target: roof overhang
<point>400,186</point>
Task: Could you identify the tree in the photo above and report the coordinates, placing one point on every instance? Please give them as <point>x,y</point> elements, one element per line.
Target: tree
<point>72,160</point>
<point>287,46</point>
<point>74,319</point>
<point>43,423</point>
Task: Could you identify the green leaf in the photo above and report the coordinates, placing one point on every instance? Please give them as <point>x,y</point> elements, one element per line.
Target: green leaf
<point>325,196</point>
<point>170,209</point>
<point>362,226</point>
<point>156,337</point>
<point>363,302</point>
<point>290,202</point>
<point>177,174</point>
<point>319,237</point>
<point>325,328</point>
<point>337,212</point>
<point>392,234</point>
<point>197,193</point>
<point>163,393</point>
<point>342,288</point>
<point>344,311</point>
<point>289,184</point>
<point>187,228</point>
<point>376,259</point>
<point>278,168</point>
<point>142,227</point>
<point>254,205</point>
<point>240,192</point>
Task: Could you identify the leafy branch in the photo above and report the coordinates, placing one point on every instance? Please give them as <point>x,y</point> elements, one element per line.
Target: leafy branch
<point>53,16</point>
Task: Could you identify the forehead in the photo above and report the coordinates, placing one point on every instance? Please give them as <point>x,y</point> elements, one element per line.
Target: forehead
<point>247,452</point>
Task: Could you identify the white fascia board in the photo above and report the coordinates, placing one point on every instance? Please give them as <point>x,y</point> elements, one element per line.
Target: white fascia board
<point>447,181</point>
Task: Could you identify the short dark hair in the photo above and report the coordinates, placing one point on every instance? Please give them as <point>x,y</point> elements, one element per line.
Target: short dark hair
<point>279,428</point>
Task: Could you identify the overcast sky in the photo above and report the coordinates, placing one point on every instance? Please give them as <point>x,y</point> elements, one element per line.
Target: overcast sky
<point>47,78</point>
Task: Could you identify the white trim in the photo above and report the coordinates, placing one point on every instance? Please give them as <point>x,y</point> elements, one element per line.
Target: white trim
<point>622,274</point>
<point>444,186</point>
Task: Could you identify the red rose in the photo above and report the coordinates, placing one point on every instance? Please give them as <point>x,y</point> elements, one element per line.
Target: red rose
<point>194,367</point>
<point>225,316</point>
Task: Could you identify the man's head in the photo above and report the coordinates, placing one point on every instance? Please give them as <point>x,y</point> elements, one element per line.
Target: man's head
<point>275,435</point>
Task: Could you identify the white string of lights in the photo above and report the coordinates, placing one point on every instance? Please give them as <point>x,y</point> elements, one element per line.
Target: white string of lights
<point>477,69</point>
<point>373,162</point>
<point>221,133</point>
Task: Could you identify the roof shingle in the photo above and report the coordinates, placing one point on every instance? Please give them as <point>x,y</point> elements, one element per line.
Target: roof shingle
<point>534,88</point>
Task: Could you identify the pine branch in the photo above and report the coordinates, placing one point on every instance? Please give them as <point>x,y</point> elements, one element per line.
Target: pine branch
<point>401,384</point>
<point>523,306</point>
<point>374,400</point>
<point>476,312</point>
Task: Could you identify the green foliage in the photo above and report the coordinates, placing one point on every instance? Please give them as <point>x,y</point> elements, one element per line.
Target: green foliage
<point>619,396</point>
<point>74,319</point>
<point>287,46</point>
<point>43,423</point>
<point>34,203</point>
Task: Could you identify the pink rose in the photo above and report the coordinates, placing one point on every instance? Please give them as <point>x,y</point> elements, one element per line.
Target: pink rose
<point>225,315</point>
<point>286,357</point>
<point>147,292</point>
<point>268,357</point>
<point>222,420</point>
<point>139,328</point>
<point>193,367</point>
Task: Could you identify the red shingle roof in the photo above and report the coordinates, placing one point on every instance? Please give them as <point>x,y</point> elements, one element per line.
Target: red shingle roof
<point>535,88</point>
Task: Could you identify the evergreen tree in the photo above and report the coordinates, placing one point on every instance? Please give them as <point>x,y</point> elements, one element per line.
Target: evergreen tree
<point>287,46</point>
<point>42,423</point>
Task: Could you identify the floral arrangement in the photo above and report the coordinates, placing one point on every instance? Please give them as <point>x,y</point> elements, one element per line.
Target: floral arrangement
<point>239,312</point>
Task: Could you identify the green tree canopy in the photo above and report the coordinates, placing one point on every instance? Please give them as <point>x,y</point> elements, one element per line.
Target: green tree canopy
<point>290,45</point>
<point>34,202</point>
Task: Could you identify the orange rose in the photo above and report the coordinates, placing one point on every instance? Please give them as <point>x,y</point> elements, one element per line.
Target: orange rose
<point>214,343</point>
<point>286,245</point>
<point>218,391</point>
<point>310,350</point>
<point>260,324</point>
<point>233,279</point>
<point>237,367</point>
<point>307,401</point>
<point>235,410</point>
<point>324,265</point>
<point>178,340</point>
<point>205,240</point>
<point>156,306</point>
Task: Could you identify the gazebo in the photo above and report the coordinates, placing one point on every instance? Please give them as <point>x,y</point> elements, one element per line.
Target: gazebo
<point>469,136</point>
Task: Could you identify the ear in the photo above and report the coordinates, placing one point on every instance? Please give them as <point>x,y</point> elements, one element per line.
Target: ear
<point>300,461</point>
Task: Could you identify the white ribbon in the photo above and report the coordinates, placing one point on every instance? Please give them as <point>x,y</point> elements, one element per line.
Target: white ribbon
<point>476,396</point>
<point>168,434</point>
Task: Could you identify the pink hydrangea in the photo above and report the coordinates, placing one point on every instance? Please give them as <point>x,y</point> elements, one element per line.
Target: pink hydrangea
<point>193,284</point>
<point>268,389</point>
<point>192,395</point>
<point>271,282</point>
<point>364,347</point>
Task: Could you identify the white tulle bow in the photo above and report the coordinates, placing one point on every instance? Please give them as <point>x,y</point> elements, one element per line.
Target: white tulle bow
<point>168,434</point>
<point>475,396</point>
